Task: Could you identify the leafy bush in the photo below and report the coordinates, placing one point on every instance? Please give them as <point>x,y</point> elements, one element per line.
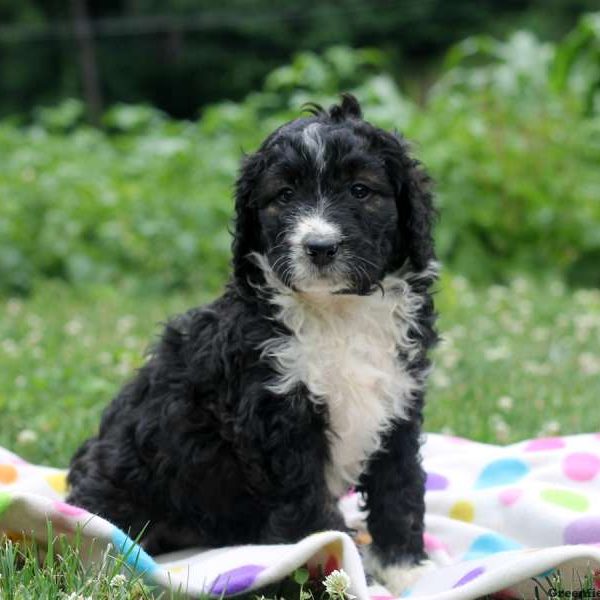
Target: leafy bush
<point>516,158</point>
<point>84,205</point>
<point>511,133</point>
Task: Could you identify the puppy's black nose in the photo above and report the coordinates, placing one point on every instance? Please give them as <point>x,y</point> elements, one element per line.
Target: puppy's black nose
<point>321,250</point>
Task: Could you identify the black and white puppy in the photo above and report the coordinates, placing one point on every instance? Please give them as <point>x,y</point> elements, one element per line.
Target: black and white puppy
<point>254,414</point>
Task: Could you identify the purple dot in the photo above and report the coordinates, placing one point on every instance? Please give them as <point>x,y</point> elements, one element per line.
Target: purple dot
<point>469,576</point>
<point>583,531</point>
<point>435,482</point>
<point>236,580</point>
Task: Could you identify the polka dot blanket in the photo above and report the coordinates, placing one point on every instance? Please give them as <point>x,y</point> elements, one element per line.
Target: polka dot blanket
<point>497,517</point>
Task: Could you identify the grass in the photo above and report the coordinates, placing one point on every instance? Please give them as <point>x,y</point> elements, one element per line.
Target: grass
<point>56,571</point>
<point>517,361</point>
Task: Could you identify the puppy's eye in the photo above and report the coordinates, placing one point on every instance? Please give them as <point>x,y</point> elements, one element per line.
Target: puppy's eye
<point>285,194</point>
<point>360,191</point>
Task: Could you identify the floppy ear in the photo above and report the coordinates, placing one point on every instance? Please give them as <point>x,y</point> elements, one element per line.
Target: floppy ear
<point>246,233</point>
<point>416,212</point>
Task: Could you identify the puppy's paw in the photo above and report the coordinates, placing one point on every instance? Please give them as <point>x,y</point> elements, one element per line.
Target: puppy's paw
<point>396,577</point>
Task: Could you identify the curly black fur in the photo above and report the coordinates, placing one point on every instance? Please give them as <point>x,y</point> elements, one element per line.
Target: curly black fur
<point>197,447</point>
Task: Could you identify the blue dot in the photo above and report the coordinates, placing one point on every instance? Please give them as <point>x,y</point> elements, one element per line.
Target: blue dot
<point>490,543</point>
<point>135,556</point>
<point>501,472</point>
<point>547,573</point>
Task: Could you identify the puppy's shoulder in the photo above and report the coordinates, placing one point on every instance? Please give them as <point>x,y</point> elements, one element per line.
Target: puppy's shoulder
<point>231,324</point>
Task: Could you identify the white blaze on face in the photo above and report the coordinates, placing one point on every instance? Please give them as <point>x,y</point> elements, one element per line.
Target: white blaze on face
<point>314,225</point>
<point>313,142</point>
<point>304,273</point>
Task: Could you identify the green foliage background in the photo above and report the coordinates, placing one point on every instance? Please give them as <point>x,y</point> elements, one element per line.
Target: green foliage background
<point>511,132</point>
<point>181,55</point>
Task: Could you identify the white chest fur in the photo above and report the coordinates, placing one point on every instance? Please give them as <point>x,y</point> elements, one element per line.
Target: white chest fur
<point>344,349</point>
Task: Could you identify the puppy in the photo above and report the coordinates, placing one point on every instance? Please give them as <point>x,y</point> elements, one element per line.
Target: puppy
<point>254,414</point>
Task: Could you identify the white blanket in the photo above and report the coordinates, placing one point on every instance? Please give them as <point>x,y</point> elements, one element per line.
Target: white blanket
<point>496,518</point>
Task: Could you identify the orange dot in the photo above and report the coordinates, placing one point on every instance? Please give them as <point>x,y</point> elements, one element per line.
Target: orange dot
<point>14,536</point>
<point>8,474</point>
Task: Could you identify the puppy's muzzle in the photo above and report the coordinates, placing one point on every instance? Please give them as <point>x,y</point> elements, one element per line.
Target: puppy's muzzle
<point>321,250</point>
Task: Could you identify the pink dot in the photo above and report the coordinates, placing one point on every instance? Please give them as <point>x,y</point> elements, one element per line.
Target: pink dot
<point>457,440</point>
<point>581,466</point>
<point>510,496</point>
<point>432,543</point>
<point>68,509</point>
<point>9,457</point>
<point>548,443</point>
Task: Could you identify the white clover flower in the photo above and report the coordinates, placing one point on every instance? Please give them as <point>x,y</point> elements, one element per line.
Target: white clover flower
<point>34,321</point>
<point>520,285</point>
<point>76,596</point>
<point>125,366</point>
<point>105,358</point>
<point>118,581</point>
<point>537,368</point>
<point>73,327</point>
<point>589,364</point>
<point>497,353</point>
<point>549,428</point>
<point>10,347</point>
<point>586,297</point>
<point>500,427</point>
<point>337,584</point>
<point>440,378</point>
<point>505,402</point>
<point>460,283</point>
<point>124,324</point>
<point>540,334</point>
<point>27,436</point>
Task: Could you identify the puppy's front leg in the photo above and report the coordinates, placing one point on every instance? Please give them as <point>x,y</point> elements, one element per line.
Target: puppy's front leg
<point>394,487</point>
<point>301,502</point>
<point>294,520</point>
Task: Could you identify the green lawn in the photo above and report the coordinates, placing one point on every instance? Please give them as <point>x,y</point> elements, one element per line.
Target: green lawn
<point>516,361</point>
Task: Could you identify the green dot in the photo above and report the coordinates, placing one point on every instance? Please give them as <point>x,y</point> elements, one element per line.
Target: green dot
<point>566,499</point>
<point>5,500</point>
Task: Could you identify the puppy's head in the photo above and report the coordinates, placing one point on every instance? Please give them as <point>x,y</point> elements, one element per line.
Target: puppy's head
<point>333,204</point>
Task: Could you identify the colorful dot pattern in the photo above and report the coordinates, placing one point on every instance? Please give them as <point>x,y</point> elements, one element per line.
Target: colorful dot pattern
<point>485,500</point>
<point>135,556</point>
<point>557,478</point>
<point>8,474</point>
<point>503,471</point>
<point>5,501</point>
<point>236,580</point>
<point>490,543</point>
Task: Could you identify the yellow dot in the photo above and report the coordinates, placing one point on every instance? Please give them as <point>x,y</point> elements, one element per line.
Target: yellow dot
<point>177,569</point>
<point>8,474</point>
<point>463,511</point>
<point>58,482</point>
